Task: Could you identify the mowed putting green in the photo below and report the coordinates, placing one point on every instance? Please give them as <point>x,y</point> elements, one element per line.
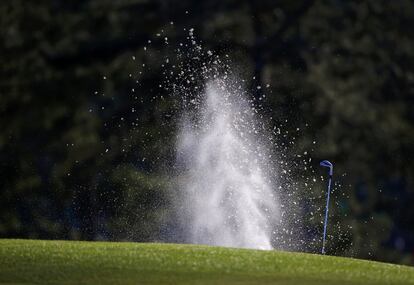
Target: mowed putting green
<point>69,262</point>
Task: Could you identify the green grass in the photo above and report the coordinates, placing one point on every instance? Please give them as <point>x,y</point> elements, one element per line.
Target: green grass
<point>67,262</point>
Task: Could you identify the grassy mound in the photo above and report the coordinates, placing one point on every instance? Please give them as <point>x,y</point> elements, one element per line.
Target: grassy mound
<point>67,262</point>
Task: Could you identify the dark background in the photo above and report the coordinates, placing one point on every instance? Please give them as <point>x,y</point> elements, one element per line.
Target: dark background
<point>85,150</point>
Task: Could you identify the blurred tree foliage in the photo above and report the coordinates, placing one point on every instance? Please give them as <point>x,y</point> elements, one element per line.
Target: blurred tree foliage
<point>85,150</point>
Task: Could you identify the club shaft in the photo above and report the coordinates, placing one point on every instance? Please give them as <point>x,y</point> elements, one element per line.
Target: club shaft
<point>326,213</point>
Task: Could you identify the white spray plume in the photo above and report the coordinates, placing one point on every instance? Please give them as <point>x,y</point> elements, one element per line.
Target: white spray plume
<point>227,197</point>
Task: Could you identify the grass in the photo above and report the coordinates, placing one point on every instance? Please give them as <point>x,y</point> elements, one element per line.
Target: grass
<point>68,262</point>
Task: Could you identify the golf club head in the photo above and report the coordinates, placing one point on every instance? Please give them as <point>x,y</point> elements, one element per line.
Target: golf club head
<point>326,163</point>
